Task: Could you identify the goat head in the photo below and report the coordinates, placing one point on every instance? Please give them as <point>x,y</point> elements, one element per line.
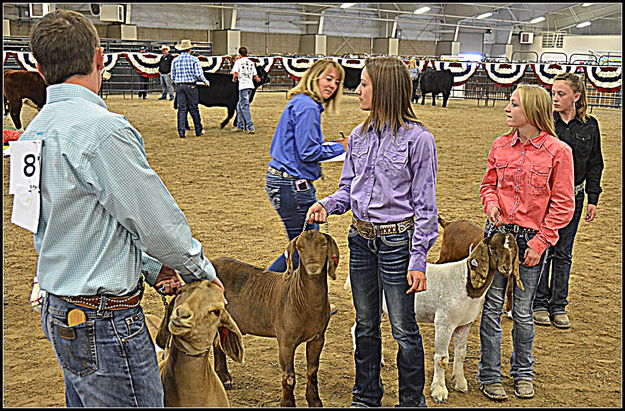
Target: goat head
<point>505,251</point>
<point>197,318</point>
<point>316,251</point>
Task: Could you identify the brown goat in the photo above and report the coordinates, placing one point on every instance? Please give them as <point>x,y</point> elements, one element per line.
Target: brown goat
<point>195,320</point>
<point>460,236</point>
<point>19,85</point>
<point>293,307</point>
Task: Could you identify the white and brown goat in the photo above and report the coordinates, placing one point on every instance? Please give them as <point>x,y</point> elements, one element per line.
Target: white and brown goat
<point>292,307</point>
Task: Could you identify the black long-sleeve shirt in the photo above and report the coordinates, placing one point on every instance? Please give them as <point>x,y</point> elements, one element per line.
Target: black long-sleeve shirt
<point>585,140</point>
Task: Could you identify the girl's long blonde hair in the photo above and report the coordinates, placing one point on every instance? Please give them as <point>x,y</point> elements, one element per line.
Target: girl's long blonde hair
<point>578,86</point>
<point>392,89</point>
<point>537,108</point>
<point>309,84</point>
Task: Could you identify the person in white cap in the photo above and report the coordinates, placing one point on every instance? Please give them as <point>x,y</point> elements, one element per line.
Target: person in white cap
<point>164,68</point>
<point>186,72</point>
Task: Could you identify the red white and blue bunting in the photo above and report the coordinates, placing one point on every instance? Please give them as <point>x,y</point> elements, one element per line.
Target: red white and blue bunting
<point>146,64</point>
<point>211,64</point>
<point>296,66</point>
<point>546,72</point>
<point>462,71</point>
<point>504,74</point>
<point>110,60</point>
<point>26,60</point>
<point>266,62</point>
<point>606,79</point>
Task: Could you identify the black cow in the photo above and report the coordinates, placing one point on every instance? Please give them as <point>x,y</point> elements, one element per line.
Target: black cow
<point>352,78</point>
<point>222,92</point>
<point>433,81</point>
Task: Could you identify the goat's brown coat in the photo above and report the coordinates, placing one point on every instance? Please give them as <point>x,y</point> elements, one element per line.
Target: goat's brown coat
<point>293,307</point>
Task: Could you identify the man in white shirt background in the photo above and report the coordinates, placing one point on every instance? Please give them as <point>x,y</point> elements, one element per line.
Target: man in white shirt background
<point>244,72</point>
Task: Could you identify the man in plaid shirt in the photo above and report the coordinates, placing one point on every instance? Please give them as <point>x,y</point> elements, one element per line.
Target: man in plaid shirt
<point>186,72</point>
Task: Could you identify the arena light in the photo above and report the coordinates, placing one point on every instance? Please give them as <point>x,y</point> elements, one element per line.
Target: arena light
<point>483,16</point>
<point>422,10</point>
<point>583,24</point>
<point>587,4</point>
<point>346,5</point>
<point>537,20</point>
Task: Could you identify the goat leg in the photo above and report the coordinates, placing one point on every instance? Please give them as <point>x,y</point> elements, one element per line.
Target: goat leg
<point>221,367</point>
<point>287,354</point>
<point>313,352</point>
<point>461,334</point>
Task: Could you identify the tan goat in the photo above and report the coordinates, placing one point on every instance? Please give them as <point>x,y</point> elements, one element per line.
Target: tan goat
<point>293,307</point>
<point>195,320</point>
<point>458,237</point>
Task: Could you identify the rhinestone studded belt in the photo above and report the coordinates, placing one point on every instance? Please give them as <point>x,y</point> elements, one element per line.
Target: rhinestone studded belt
<point>370,230</point>
<point>111,303</point>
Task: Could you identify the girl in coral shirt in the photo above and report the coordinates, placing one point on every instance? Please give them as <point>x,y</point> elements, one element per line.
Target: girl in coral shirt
<point>527,190</point>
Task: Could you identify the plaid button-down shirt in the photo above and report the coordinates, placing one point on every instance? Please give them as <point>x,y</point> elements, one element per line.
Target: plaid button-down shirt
<point>104,211</point>
<point>186,69</point>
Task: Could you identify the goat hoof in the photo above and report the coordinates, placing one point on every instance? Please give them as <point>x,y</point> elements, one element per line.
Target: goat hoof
<point>228,385</point>
<point>439,395</point>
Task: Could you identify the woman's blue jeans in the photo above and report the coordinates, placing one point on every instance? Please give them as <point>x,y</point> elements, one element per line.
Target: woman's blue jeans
<point>292,206</point>
<point>552,294</point>
<point>380,265</point>
<point>108,360</point>
<point>521,360</point>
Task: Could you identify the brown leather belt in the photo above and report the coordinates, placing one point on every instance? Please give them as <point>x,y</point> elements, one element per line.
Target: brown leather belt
<point>111,303</point>
<point>370,230</point>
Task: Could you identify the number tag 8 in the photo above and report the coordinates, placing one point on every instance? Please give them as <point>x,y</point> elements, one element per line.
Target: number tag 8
<point>24,183</point>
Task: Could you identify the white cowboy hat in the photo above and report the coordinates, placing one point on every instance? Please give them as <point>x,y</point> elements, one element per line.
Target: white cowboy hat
<point>164,47</point>
<point>185,45</point>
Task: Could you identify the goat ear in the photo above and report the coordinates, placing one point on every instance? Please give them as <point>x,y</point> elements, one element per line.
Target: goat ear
<point>163,331</point>
<point>230,338</point>
<point>479,263</point>
<point>332,260</point>
<point>290,251</point>
<point>515,270</point>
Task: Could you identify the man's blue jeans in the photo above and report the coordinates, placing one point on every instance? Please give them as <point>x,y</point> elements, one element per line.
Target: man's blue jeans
<point>244,115</point>
<point>521,360</point>
<point>292,206</point>
<point>552,295</point>
<point>108,360</point>
<point>167,85</point>
<point>380,265</point>
<point>188,98</point>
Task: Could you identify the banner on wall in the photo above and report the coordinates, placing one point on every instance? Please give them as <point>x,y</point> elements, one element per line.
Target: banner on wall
<point>606,79</point>
<point>504,74</point>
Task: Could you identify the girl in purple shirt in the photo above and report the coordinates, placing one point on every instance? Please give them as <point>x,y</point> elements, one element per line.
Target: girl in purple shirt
<point>389,183</point>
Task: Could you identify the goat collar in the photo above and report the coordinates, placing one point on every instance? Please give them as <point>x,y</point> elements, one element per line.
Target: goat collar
<point>179,348</point>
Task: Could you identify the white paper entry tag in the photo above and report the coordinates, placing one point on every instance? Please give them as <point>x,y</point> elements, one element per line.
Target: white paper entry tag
<point>24,174</point>
<point>340,157</point>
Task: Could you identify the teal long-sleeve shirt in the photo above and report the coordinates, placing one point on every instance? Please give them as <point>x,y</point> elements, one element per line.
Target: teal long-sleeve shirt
<point>106,217</point>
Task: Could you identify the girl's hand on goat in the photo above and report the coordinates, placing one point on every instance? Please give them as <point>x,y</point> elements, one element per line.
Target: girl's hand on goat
<point>531,258</point>
<point>316,214</point>
<point>494,216</point>
<point>416,281</point>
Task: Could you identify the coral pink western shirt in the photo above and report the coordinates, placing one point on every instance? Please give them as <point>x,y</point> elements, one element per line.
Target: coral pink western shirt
<point>532,184</point>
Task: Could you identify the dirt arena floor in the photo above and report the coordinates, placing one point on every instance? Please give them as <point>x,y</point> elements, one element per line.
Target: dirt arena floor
<point>218,182</point>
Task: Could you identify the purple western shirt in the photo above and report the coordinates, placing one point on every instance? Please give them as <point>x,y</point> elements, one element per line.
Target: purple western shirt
<point>390,179</point>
